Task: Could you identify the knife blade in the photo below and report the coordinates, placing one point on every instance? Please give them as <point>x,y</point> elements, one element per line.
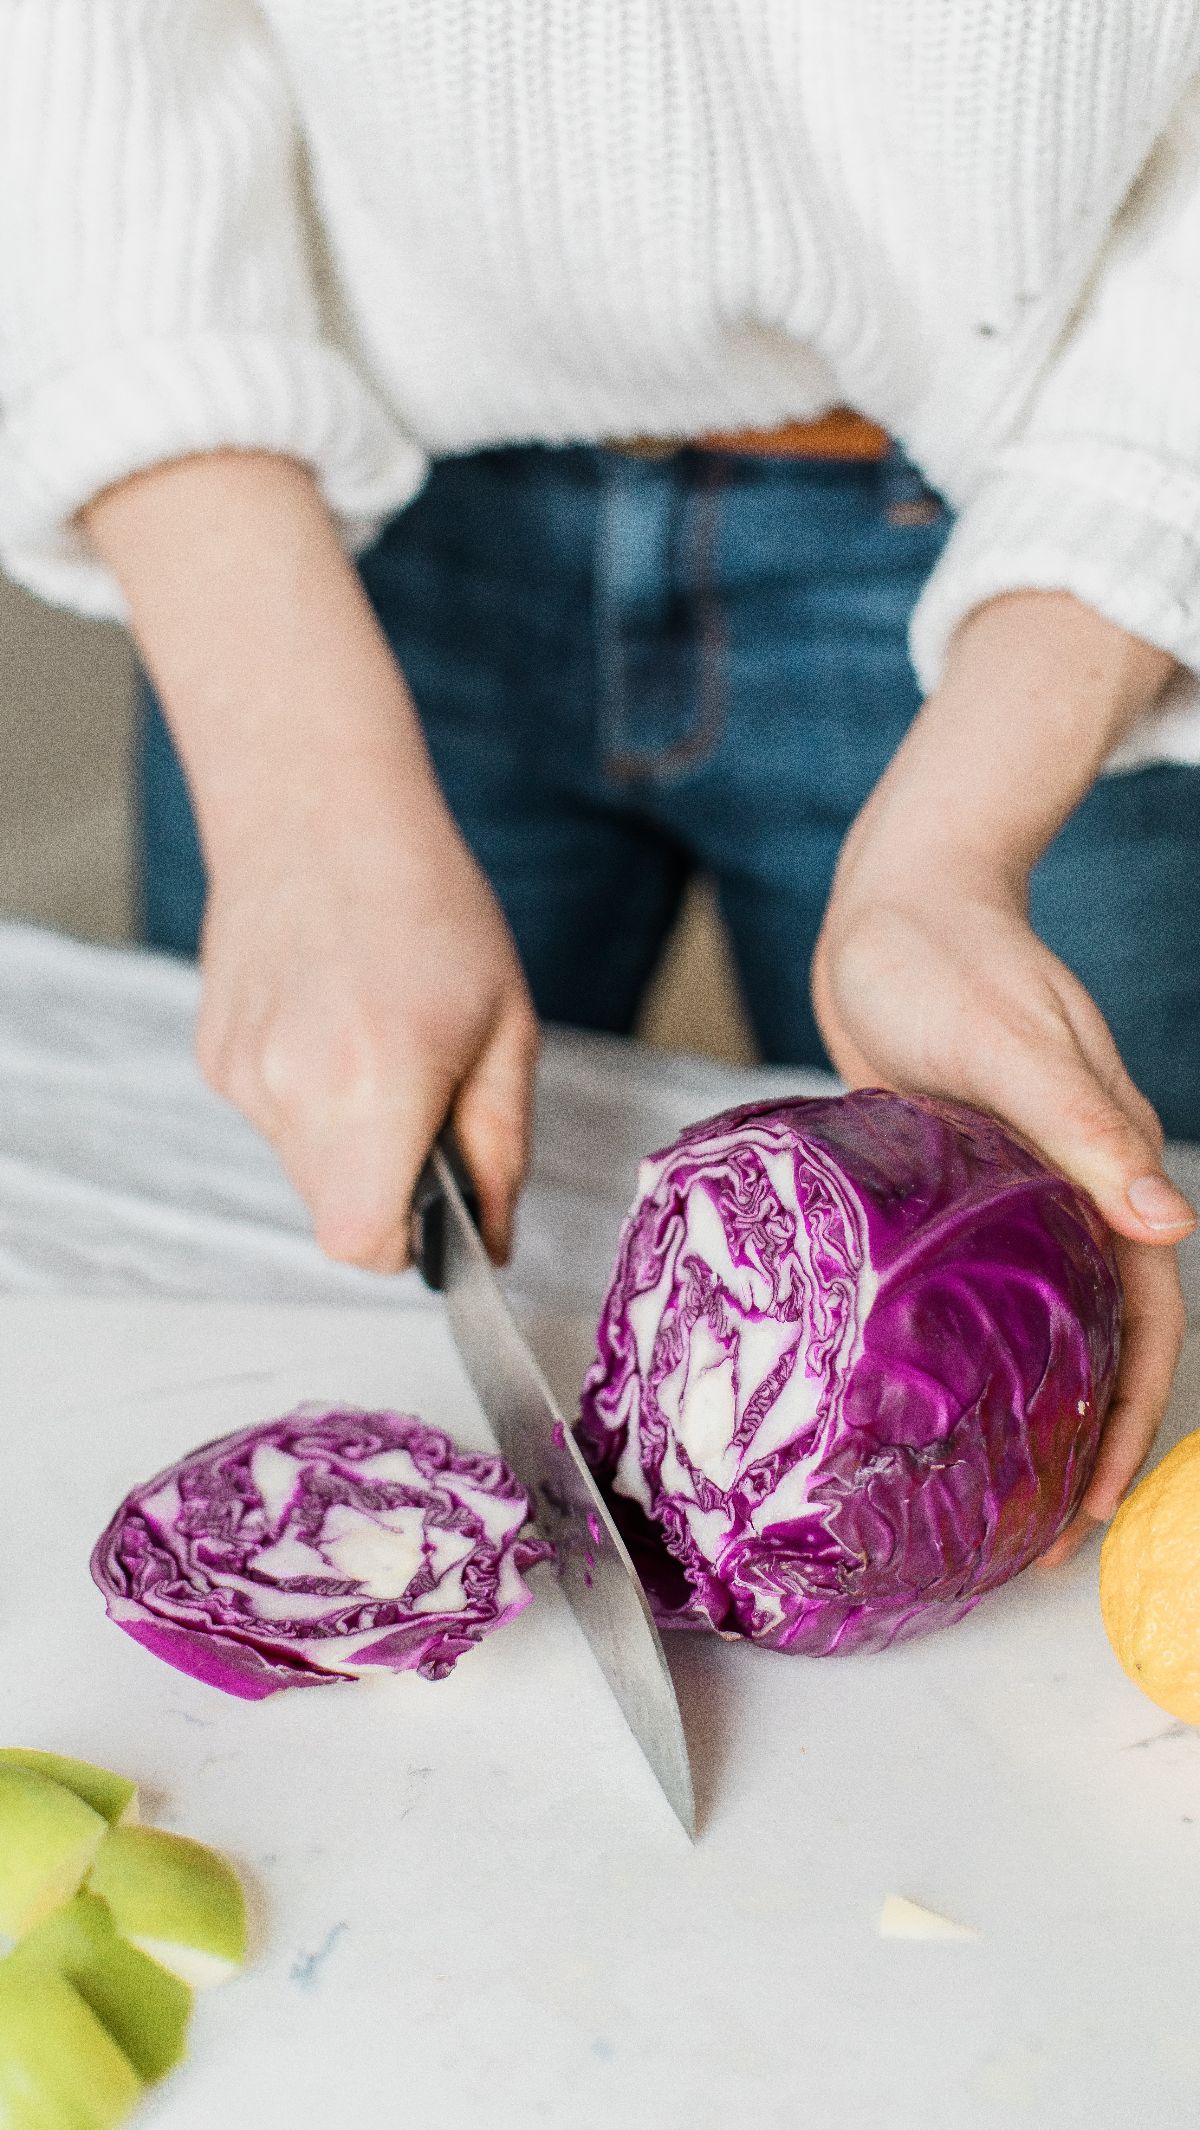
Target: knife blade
<point>596,1574</point>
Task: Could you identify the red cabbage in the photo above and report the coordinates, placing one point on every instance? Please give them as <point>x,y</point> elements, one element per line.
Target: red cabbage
<point>324,1545</point>
<point>852,1371</point>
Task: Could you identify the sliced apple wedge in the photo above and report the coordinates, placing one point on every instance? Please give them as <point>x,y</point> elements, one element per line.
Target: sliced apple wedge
<point>145,2009</point>
<point>60,2069</point>
<point>49,1839</point>
<point>175,1900</point>
<point>112,1796</point>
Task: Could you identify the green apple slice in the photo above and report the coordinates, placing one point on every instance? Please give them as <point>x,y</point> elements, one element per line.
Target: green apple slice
<point>112,1796</point>
<point>48,1841</point>
<point>59,2067</point>
<point>145,2009</point>
<point>175,1900</point>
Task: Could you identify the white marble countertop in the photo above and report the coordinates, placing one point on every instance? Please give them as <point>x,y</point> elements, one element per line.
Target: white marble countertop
<point>472,1906</point>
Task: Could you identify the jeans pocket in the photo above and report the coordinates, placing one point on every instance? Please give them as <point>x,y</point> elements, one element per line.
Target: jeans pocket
<point>660,623</point>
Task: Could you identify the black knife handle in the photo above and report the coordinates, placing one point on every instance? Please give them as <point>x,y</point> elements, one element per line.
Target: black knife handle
<point>429,1212</point>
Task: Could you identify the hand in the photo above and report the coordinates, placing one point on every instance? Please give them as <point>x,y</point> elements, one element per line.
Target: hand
<point>932,981</point>
<point>360,984</point>
<point>359,988</point>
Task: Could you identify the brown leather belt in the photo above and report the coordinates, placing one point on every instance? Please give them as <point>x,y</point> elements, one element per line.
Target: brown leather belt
<point>840,434</point>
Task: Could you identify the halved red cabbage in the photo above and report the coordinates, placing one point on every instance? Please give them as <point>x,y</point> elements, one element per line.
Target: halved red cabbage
<point>852,1369</point>
<point>324,1545</point>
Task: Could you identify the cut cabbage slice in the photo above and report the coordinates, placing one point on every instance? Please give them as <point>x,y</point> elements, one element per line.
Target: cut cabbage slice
<point>112,1796</point>
<point>49,1839</point>
<point>60,2068</point>
<point>176,1900</point>
<point>327,1545</point>
<point>145,2009</point>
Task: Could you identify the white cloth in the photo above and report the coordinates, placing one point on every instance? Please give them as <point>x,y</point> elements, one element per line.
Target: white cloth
<point>120,1174</point>
<point>362,231</point>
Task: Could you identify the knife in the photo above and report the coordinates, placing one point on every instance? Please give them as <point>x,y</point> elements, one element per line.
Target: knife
<point>596,1574</point>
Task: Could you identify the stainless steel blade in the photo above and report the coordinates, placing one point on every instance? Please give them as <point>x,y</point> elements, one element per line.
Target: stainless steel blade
<point>596,1574</point>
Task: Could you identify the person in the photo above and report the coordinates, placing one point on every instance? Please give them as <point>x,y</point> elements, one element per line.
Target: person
<point>662,364</point>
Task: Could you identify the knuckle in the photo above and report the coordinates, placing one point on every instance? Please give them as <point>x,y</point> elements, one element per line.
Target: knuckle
<point>502,1144</point>
<point>1090,1117</point>
<point>371,1245</point>
<point>229,1072</point>
<point>1151,1124</point>
<point>1133,1105</point>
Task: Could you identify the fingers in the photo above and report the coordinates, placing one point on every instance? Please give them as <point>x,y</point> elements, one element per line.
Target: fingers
<point>850,1061</point>
<point>1068,1544</point>
<point>348,1038</point>
<point>973,1006</point>
<point>357,1166</point>
<point>1090,1122</point>
<point>356,1169</point>
<point>492,1119</point>
<point>1155,1324</point>
<point>353,1142</point>
<point>960,999</point>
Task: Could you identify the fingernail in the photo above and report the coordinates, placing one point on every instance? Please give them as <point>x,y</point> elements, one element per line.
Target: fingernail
<point>1159,1204</point>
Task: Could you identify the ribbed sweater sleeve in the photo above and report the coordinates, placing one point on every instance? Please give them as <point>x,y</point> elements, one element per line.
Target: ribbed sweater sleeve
<point>1098,492</point>
<point>157,295</point>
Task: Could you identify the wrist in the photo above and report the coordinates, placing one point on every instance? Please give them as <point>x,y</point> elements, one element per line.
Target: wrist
<point>307,807</point>
<point>1037,693</point>
<point>294,724</point>
<point>907,844</point>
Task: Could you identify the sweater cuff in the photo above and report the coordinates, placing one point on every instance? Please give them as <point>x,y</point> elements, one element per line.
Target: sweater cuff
<point>1115,526</point>
<point>135,407</point>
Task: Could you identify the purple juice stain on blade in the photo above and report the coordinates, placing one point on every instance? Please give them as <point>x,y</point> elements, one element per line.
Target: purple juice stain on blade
<point>558,1435</point>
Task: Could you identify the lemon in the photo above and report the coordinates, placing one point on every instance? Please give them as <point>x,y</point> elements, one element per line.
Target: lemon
<point>1150,1583</point>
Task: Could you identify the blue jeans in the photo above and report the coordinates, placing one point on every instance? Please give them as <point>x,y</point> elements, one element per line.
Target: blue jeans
<point>631,668</point>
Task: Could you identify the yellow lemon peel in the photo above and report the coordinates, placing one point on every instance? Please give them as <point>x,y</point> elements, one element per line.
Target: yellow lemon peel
<point>1150,1583</point>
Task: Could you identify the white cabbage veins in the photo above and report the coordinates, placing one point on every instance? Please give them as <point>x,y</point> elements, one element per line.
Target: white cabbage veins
<point>852,1368</point>
<point>322,1545</point>
<point>745,1340</point>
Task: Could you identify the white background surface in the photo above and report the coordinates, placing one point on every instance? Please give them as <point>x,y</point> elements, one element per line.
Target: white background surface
<point>475,1909</point>
<point>473,1906</point>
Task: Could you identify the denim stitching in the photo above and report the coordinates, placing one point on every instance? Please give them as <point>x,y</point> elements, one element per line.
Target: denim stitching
<point>610,687</point>
<point>639,765</point>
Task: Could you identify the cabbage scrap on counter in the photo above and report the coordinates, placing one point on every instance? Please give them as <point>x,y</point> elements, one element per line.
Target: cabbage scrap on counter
<point>853,1368</point>
<point>324,1545</point>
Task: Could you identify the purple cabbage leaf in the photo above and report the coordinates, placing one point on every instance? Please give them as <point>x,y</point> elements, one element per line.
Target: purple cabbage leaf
<point>852,1369</point>
<point>324,1545</point>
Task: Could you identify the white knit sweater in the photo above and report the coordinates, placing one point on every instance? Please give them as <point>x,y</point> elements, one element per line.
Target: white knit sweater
<point>364,231</point>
